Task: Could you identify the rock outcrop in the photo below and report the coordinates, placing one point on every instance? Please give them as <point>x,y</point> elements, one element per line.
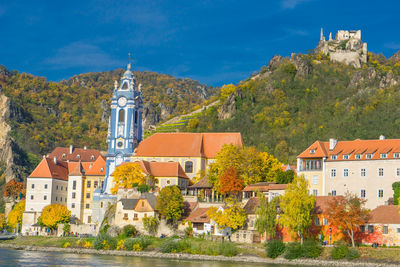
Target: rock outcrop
<point>227,110</point>
<point>303,65</point>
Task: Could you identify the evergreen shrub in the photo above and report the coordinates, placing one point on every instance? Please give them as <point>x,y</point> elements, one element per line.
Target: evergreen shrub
<point>275,248</point>
<point>227,249</point>
<point>311,249</point>
<point>104,241</point>
<point>129,230</point>
<point>352,254</point>
<point>339,251</point>
<point>293,251</point>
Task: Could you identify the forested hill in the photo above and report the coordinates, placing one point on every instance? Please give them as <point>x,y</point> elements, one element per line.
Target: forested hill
<point>294,101</point>
<point>45,114</point>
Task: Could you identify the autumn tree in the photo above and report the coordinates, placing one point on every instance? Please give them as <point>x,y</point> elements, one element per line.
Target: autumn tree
<point>232,216</point>
<point>15,215</point>
<point>3,221</point>
<point>126,175</point>
<point>14,189</point>
<point>266,213</point>
<point>297,207</point>
<point>230,183</point>
<point>54,214</point>
<point>226,90</point>
<point>170,203</point>
<point>150,224</point>
<point>348,214</point>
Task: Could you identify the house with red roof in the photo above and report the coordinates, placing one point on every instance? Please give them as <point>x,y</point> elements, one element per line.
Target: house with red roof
<point>367,168</point>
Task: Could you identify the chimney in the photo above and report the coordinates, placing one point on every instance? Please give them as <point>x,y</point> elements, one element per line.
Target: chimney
<point>381,137</point>
<point>55,160</point>
<point>332,143</point>
<point>85,147</point>
<point>71,149</point>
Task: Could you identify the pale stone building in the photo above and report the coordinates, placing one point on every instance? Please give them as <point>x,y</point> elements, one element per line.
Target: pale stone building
<point>367,168</point>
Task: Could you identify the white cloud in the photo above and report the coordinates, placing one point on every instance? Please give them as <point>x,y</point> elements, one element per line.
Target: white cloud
<point>80,54</point>
<point>290,4</point>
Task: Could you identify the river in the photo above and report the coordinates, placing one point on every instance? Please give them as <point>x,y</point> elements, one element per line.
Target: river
<point>11,257</point>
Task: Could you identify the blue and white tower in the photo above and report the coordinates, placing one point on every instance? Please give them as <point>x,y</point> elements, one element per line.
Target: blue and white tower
<point>125,124</point>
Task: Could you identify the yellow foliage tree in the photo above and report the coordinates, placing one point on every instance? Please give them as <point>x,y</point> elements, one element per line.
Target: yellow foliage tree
<point>3,221</point>
<point>15,215</point>
<point>233,215</point>
<point>54,214</point>
<point>125,176</point>
<point>227,90</point>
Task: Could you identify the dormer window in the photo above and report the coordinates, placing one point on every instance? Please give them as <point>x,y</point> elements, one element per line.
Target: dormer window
<point>312,151</point>
<point>345,156</point>
<point>384,155</point>
<point>63,155</point>
<point>92,157</point>
<point>369,156</point>
<point>102,169</point>
<point>358,156</point>
<point>333,157</point>
<point>396,155</point>
<point>78,156</point>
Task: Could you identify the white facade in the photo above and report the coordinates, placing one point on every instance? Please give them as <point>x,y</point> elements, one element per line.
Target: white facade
<point>74,201</point>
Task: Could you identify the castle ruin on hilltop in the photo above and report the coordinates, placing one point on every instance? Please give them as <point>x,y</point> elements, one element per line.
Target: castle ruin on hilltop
<point>346,48</point>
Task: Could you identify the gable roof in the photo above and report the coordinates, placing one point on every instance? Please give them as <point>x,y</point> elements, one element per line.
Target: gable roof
<point>199,215</point>
<point>251,205</point>
<point>78,154</point>
<point>375,147</point>
<point>186,144</point>
<point>130,203</point>
<point>47,168</point>
<point>387,214</point>
<point>203,183</point>
<point>163,169</point>
<point>98,167</point>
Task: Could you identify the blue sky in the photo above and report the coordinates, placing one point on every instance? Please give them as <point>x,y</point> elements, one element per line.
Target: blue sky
<point>215,42</point>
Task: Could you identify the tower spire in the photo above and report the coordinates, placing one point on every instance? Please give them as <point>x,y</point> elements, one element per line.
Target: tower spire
<point>129,64</point>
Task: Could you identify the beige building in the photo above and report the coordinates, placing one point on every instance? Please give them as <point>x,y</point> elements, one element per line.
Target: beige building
<point>367,168</point>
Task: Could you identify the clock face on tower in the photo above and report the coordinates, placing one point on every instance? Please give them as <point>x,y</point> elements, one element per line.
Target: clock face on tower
<point>122,101</point>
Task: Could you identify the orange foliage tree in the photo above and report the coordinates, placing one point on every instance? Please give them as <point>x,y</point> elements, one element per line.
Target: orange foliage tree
<point>230,183</point>
<point>14,189</point>
<point>54,214</point>
<point>348,214</point>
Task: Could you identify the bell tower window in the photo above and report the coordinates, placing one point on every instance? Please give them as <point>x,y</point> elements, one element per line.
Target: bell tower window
<point>121,122</point>
<point>125,86</point>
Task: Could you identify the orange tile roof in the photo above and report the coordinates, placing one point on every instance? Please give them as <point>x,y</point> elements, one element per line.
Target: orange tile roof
<point>163,169</point>
<point>352,148</point>
<point>199,215</point>
<point>75,168</point>
<point>47,168</point>
<point>186,144</point>
<point>387,214</point>
<point>264,187</point>
<point>98,167</point>
<point>78,154</point>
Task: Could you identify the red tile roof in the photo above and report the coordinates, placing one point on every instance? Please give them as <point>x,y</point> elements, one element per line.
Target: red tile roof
<point>186,144</point>
<point>199,215</point>
<point>251,205</point>
<point>388,214</point>
<point>352,148</point>
<point>78,154</point>
<point>163,169</point>
<point>98,167</point>
<point>47,168</point>
<point>188,208</point>
<point>264,187</point>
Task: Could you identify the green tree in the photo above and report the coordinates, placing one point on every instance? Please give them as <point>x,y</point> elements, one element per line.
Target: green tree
<point>266,213</point>
<point>170,203</point>
<point>396,192</point>
<point>297,207</point>
<point>150,224</point>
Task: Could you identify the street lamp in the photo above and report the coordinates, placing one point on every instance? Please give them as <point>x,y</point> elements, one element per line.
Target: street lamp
<point>330,235</point>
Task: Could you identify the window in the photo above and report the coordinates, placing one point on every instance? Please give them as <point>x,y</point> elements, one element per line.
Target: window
<point>369,156</point>
<point>380,171</point>
<point>312,151</point>
<point>45,186</point>
<point>385,230</point>
<point>398,172</point>
<point>142,203</point>
<point>89,219</point>
<point>317,221</point>
<point>346,172</point>
<point>370,229</point>
<point>396,155</point>
<point>125,216</point>
<point>44,197</point>
<point>74,185</point>
<point>333,172</point>
<point>31,196</point>
<point>33,186</point>
<point>333,157</point>
<point>57,187</point>
<point>102,184</point>
<point>325,221</point>
<point>87,195</point>
<point>168,181</point>
<point>315,179</point>
<point>60,198</point>
<point>333,193</point>
<point>73,194</point>
<point>62,188</point>
<point>244,235</point>
<point>345,156</point>
<point>384,155</point>
<point>380,193</point>
<point>87,205</point>
<point>121,117</point>
<point>101,204</point>
<point>315,192</point>
<point>188,166</point>
<point>56,198</point>
<point>136,116</point>
<point>92,157</point>
<point>362,193</point>
<point>398,230</point>
<point>95,184</point>
<point>135,217</point>
<point>362,228</point>
<point>73,205</point>
<point>358,156</point>
<point>362,172</point>
<point>88,183</point>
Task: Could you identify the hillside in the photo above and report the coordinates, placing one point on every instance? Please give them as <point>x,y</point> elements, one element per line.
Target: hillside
<point>42,114</point>
<point>294,101</point>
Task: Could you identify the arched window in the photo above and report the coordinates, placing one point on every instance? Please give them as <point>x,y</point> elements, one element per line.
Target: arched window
<point>125,86</point>
<point>136,117</point>
<point>121,116</point>
<point>188,166</point>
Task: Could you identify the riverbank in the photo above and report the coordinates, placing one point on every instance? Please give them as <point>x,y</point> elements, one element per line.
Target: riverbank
<point>184,256</point>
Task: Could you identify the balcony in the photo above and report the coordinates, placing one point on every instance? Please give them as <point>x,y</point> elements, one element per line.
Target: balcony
<point>311,165</point>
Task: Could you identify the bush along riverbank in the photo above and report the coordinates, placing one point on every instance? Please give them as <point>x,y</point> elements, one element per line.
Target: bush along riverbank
<point>191,248</point>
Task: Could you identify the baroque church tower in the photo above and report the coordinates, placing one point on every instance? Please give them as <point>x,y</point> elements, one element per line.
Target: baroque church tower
<point>125,124</point>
